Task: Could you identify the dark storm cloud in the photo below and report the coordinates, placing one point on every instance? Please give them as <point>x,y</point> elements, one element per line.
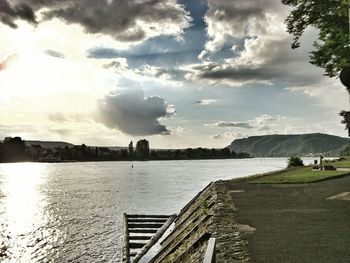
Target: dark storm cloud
<point>129,21</point>
<point>132,113</point>
<point>8,13</point>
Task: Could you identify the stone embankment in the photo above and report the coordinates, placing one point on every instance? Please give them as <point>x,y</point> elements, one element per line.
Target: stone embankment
<point>210,214</point>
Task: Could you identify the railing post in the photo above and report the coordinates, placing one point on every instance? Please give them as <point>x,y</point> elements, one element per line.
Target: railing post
<point>126,249</point>
<point>210,256</point>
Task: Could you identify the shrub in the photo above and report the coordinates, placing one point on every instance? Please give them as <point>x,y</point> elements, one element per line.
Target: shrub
<point>295,162</point>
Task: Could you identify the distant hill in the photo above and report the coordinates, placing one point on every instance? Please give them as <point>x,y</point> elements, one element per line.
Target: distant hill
<point>54,144</point>
<point>289,145</point>
<point>48,144</point>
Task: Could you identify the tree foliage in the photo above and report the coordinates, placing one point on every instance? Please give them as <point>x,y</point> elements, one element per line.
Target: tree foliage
<point>15,150</point>
<point>142,148</point>
<point>131,148</point>
<point>295,162</point>
<point>330,17</point>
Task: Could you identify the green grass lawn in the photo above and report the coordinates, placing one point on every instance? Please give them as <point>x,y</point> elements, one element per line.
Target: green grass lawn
<point>344,163</point>
<point>298,175</point>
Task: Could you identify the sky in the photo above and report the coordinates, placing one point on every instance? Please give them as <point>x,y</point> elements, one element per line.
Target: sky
<point>186,73</point>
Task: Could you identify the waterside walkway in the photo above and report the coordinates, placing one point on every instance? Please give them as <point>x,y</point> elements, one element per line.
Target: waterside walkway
<point>260,223</point>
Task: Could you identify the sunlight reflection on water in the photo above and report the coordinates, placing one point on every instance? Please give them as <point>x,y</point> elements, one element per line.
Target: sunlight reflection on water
<point>22,209</point>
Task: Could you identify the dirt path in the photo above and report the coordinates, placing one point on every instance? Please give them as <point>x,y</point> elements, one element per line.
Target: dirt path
<point>295,223</point>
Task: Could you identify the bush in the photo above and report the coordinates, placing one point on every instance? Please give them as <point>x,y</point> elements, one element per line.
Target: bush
<point>295,162</point>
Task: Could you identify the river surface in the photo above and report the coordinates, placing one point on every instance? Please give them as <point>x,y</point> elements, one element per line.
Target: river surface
<point>72,212</point>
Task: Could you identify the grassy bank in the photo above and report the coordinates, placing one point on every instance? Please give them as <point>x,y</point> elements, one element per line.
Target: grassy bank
<point>298,175</point>
<point>340,163</point>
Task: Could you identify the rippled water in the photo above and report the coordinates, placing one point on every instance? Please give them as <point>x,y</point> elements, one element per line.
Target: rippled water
<point>72,212</point>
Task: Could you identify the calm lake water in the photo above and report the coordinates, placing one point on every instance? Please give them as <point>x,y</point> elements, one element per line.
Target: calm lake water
<point>72,212</point>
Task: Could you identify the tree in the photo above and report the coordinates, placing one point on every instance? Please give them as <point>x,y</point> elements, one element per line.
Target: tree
<point>131,148</point>
<point>346,120</point>
<point>142,148</point>
<point>295,162</point>
<point>330,17</point>
<point>13,150</point>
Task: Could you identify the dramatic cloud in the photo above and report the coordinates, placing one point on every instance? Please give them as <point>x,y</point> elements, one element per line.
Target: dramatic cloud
<point>10,12</point>
<point>128,21</point>
<point>129,111</point>
<point>259,47</point>
<point>263,60</point>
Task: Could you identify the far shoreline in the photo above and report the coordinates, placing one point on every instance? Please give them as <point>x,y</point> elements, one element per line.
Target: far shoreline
<point>132,160</point>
